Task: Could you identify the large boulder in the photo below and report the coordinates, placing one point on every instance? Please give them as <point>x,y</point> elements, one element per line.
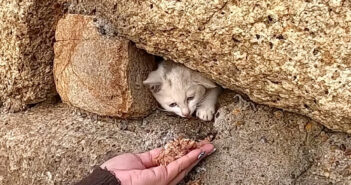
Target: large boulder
<point>288,54</point>
<point>98,73</point>
<point>27,29</point>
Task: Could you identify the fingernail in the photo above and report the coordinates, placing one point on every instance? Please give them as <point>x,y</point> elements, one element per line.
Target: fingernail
<point>202,154</point>
<point>214,150</point>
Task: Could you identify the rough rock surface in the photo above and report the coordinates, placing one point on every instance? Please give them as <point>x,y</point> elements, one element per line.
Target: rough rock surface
<point>332,161</point>
<point>258,145</point>
<point>55,144</point>
<point>27,30</point>
<point>293,55</point>
<point>98,73</point>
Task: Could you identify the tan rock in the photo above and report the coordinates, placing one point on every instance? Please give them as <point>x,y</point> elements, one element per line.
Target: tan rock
<point>27,29</point>
<point>294,55</point>
<point>100,74</point>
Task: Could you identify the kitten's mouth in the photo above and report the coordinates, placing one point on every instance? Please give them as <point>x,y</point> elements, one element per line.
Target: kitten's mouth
<point>190,116</point>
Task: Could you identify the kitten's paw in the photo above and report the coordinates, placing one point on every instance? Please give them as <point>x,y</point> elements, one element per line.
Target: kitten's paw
<point>205,113</point>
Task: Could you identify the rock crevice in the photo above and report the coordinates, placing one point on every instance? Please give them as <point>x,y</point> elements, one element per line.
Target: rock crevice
<point>287,54</point>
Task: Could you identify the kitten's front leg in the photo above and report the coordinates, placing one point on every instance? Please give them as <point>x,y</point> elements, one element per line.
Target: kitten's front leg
<point>207,107</point>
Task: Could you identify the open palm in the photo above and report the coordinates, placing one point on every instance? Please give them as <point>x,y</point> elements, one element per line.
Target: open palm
<point>140,169</point>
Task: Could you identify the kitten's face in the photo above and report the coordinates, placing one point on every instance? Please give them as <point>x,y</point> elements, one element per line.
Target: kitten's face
<point>177,88</point>
<point>182,102</point>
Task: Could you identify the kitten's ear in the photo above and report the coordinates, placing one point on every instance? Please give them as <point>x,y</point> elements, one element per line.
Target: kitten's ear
<point>208,84</point>
<point>154,81</point>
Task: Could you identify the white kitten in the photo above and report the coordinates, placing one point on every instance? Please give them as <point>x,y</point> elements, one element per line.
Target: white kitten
<point>182,91</point>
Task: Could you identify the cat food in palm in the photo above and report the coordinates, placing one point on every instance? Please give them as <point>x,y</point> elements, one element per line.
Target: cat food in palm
<point>177,149</point>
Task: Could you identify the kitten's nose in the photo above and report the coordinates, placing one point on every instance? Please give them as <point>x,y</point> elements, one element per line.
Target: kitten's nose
<point>187,115</point>
<point>186,112</point>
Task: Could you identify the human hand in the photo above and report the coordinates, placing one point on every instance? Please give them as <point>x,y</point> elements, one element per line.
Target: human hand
<point>140,169</point>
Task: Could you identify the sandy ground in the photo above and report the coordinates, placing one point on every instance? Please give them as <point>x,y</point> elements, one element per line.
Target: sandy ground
<point>52,143</point>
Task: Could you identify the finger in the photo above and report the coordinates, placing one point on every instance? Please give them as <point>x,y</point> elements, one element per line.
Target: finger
<point>148,158</point>
<point>182,174</point>
<point>185,172</point>
<point>176,167</point>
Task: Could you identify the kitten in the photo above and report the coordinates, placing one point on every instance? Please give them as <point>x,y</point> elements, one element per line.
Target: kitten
<point>182,91</point>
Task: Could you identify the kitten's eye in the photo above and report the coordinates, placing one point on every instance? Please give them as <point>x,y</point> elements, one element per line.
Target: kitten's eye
<point>173,104</point>
<point>190,98</point>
